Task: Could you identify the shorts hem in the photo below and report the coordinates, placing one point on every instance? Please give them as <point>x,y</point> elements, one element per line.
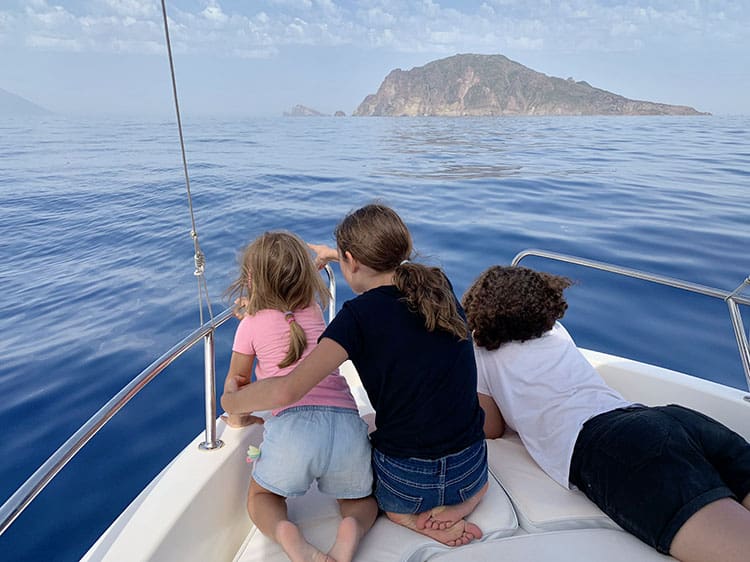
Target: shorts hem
<point>744,491</point>
<point>352,496</point>
<point>686,512</point>
<point>276,490</point>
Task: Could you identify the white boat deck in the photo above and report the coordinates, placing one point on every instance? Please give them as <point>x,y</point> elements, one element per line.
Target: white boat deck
<point>195,509</point>
<point>525,515</point>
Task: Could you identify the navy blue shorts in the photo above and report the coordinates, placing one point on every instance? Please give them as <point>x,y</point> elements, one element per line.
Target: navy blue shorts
<point>411,485</point>
<point>651,468</point>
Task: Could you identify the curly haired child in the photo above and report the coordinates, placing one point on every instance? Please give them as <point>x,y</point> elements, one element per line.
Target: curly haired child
<point>319,435</point>
<point>406,334</point>
<point>676,479</point>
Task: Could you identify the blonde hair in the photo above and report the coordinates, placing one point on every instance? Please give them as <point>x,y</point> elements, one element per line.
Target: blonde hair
<point>278,273</point>
<point>377,237</point>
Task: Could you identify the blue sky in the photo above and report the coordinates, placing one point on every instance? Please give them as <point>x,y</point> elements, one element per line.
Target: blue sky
<point>262,57</point>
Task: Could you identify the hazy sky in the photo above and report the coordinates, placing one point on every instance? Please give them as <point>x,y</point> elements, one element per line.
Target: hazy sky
<point>262,57</point>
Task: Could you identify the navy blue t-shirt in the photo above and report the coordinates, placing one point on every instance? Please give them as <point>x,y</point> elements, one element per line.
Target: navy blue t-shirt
<point>423,385</point>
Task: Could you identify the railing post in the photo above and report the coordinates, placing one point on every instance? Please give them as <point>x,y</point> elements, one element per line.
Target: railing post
<point>209,373</point>
<point>332,290</point>
<point>739,329</point>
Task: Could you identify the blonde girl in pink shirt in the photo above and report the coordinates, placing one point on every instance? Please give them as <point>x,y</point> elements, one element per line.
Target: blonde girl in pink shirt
<point>319,438</point>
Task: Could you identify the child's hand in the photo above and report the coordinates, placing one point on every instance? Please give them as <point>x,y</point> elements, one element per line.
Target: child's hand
<point>235,382</point>
<point>241,420</point>
<point>323,254</point>
<point>240,306</point>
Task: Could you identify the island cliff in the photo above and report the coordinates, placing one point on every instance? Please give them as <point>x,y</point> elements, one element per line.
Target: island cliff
<point>479,85</point>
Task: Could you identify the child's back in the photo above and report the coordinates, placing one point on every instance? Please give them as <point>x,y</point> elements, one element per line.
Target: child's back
<point>266,336</point>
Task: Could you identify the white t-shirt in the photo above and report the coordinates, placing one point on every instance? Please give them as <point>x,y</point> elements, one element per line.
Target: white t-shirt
<point>546,390</point>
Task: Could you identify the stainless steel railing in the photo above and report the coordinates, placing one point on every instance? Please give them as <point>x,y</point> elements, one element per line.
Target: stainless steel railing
<point>30,489</point>
<point>732,298</point>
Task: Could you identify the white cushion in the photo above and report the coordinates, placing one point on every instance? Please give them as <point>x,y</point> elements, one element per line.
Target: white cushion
<point>593,545</point>
<point>540,502</point>
<point>318,518</point>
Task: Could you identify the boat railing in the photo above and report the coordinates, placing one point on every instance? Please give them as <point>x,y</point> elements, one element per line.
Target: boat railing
<point>25,494</point>
<point>732,298</point>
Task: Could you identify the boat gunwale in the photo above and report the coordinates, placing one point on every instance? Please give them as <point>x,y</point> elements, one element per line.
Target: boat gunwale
<point>28,491</point>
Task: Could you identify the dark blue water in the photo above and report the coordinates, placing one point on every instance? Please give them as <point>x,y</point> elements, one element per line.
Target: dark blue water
<point>97,270</point>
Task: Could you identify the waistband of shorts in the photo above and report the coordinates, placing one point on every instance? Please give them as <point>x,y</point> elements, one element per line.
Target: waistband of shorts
<point>604,416</point>
<point>319,408</point>
<point>473,450</point>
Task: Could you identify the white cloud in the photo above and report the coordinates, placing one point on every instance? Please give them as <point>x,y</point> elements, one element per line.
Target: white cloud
<point>55,43</point>
<point>134,8</point>
<point>526,43</point>
<point>293,4</point>
<point>263,28</point>
<point>213,12</point>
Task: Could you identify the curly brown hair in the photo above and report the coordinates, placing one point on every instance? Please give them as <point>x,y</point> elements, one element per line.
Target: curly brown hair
<point>513,304</point>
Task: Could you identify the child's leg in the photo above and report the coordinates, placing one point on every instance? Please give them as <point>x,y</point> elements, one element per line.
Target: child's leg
<point>357,516</point>
<point>460,533</point>
<point>446,516</point>
<point>718,531</point>
<point>268,511</point>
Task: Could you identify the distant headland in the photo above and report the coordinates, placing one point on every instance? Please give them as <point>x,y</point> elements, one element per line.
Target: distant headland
<point>486,85</point>
<point>14,105</point>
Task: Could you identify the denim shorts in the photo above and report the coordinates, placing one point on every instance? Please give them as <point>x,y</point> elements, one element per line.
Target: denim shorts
<point>411,485</point>
<point>651,468</point>
<point>308,443</point>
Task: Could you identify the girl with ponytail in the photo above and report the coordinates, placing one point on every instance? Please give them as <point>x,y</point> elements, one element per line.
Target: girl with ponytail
<point>407,336</point>
<point>319,436</point>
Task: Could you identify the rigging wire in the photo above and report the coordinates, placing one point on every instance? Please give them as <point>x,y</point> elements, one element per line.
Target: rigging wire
<point>199,257</point>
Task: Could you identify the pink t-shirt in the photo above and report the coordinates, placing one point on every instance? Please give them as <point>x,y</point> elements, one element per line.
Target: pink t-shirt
<point>266,335</point>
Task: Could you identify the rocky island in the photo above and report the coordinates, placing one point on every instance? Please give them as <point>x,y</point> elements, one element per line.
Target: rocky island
<point>485,85</point>
<point>303,111</point>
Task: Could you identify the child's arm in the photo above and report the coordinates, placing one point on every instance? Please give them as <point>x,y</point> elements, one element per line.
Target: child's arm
<point>277,392</point>
<point>240,372</point>
<point>323,254</point>
<point>494,424</point>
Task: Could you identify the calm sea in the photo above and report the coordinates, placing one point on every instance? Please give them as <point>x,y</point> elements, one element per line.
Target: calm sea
<point>97,268</point>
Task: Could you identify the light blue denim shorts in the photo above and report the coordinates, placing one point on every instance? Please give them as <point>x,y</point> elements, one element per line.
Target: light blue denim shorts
<point>308,443</point>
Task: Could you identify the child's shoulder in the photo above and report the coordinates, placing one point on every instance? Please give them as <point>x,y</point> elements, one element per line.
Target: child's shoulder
<point>266,315</point>
<point>379,293</point>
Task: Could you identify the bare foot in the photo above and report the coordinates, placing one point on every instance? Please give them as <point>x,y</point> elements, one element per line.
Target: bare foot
<point>429,519</point>
<point>445,516</point>
<point>296,547</point>
<point>347,540</point>
<point>460,533</point>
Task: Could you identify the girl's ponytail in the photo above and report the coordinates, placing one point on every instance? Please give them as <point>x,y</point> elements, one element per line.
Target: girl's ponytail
<point>278,273</point>
<point>428,292</point>
<point>297,341</point>
<point>376,236</point>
